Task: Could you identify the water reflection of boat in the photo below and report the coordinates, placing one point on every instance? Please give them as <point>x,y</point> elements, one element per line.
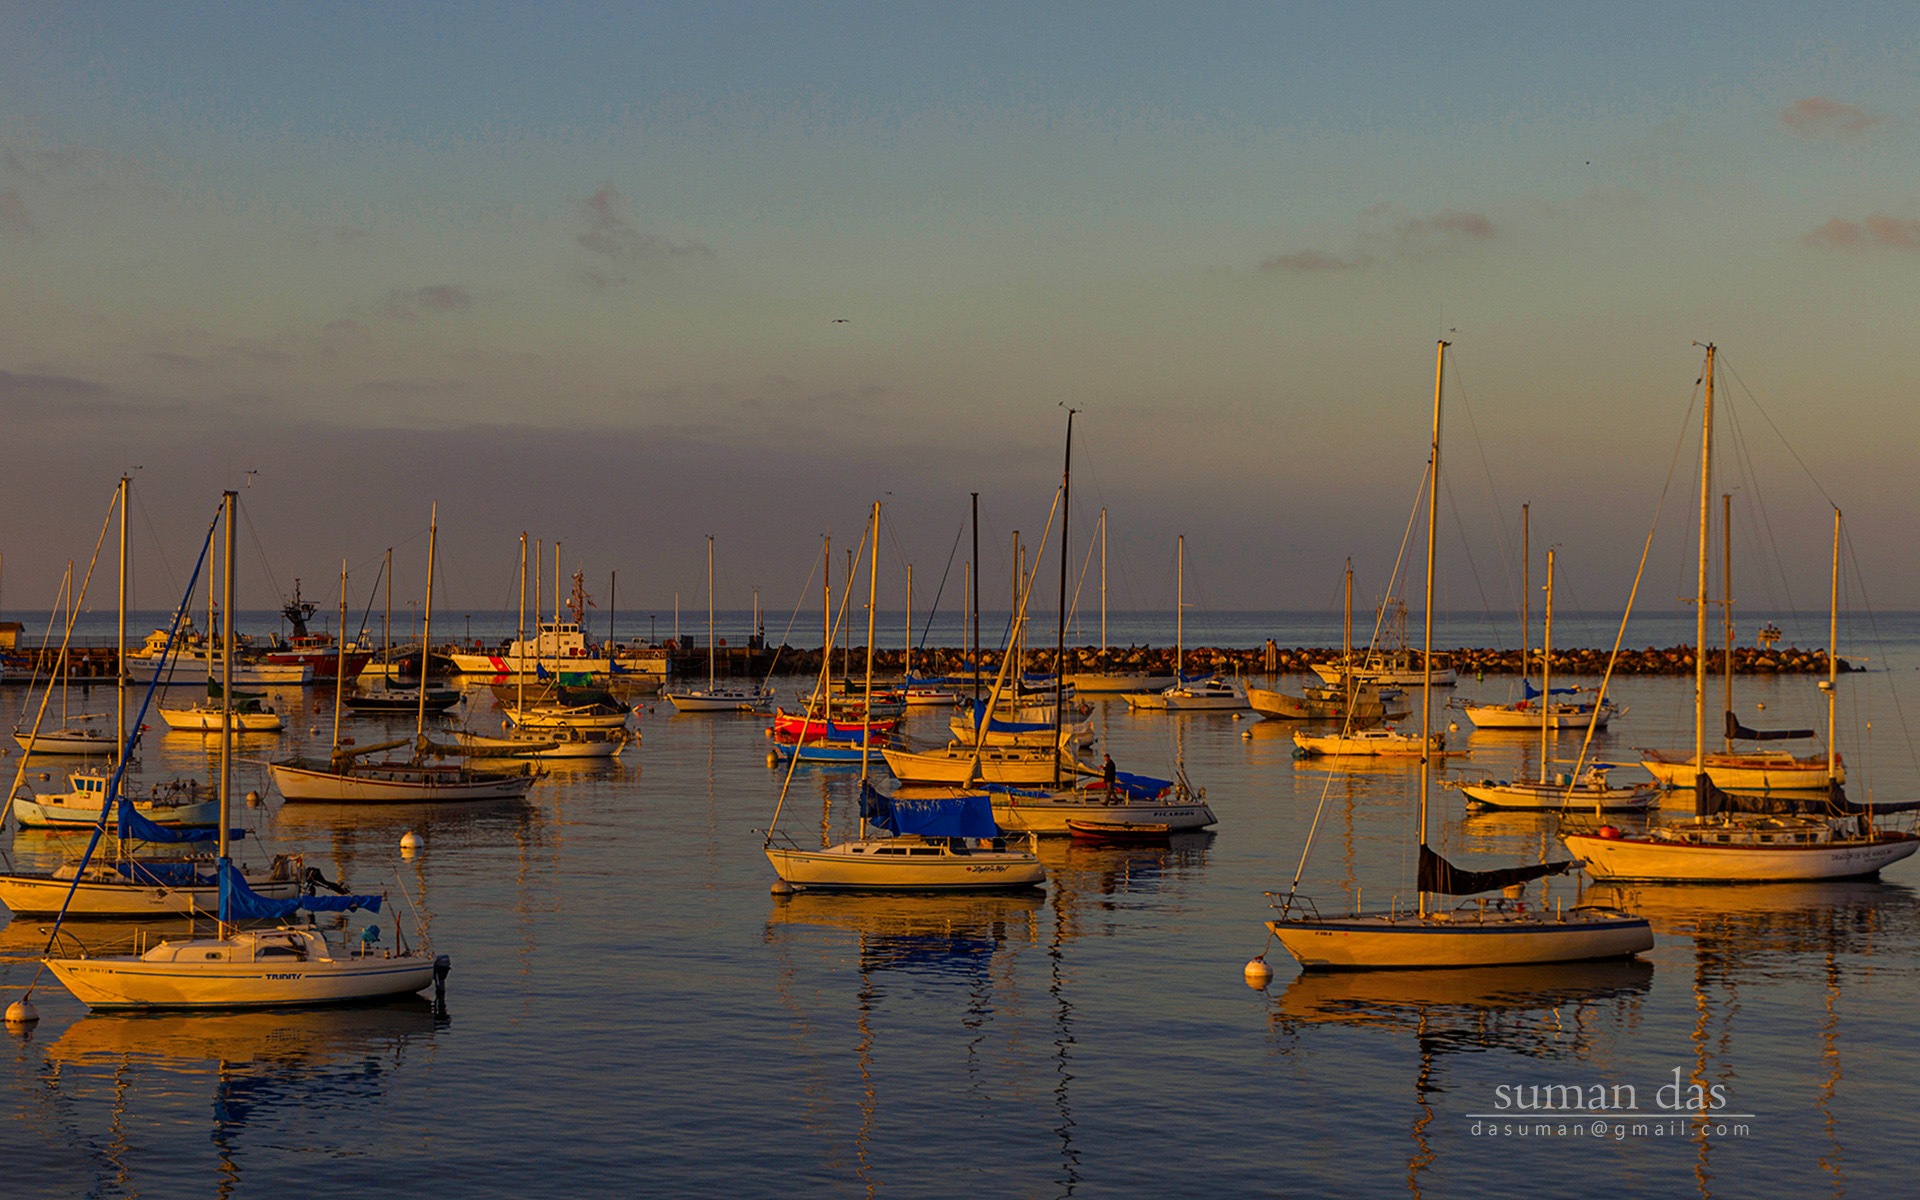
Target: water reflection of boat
<point>1757,921</point>
<point>1479,1001</point>
<point>192,1040</point>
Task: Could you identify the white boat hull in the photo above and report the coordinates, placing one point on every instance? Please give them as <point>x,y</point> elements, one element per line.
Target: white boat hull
<point>1495,937</point>
<point>998,764</point>
<point>67,741</point>
<point>1506,717</point>
<point>1384,743</point>
<point>1050,815</point>
<point>1655,859</point>
<point>42,896</point>
<point>718,700</point>
<point>193,720</point>
<point>50,813</point>
<point>1095,683</point>
<point>1749,772</point>
<point>141,671</point>
<point>1191,697</point>
<point>1559,797</point>
<point>399,783</point>
<point>905,864</point>
<point>269,968</point>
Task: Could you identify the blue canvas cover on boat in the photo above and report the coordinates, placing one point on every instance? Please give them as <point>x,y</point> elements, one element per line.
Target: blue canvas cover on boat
<point>1134,787</point>
<point>1534,692</point>
<point>969,816</point>
<point>238,902</point>
<point>135,827</point>
<point>162,874</point>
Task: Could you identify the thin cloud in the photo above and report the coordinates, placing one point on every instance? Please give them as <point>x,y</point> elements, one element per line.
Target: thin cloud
<point>612,235</point>
<point>1869,233</point>
<point>1823,116</point>
<point>1387,235</point>
<point>406,304</point>
<point>48,395</point>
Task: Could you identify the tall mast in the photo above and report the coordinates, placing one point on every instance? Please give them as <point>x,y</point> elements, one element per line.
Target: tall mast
<point>1546,673</point>
<point>520,636</point>
<point>1726,608</point>
<point>1700,592</point>
<point>226,683</point>
<point>1426,657</point>
<point>873,604</point>
<point>826,645</point>
<point>906,665</point>
<point>556,614</point>
<point>1526,598</point>
<point>1346,648</point>
<point>709,612</point>
<point>120,658</point>
<point>1180,611</point>
<point>1833,650</point>
<point>976,598</point>
<point>426,626</point>
<point>1103,580</point>
<point>1060,625</point>
<point>340,661</point>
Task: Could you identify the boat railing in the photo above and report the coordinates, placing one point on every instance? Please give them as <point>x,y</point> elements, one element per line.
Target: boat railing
<point>1286,902</point>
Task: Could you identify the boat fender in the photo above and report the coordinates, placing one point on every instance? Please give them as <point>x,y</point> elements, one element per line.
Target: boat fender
<point>1610,832</point>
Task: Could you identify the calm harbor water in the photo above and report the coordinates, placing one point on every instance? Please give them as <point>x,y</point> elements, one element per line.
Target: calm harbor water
<point>630,1010</point>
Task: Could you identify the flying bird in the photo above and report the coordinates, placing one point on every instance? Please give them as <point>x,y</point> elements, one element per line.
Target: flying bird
<point>841,321</point>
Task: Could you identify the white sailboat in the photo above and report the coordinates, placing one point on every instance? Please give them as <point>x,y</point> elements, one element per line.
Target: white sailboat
<point>944,842</point>
<point>123,885</point>
<point>1210,692</point>
<point>342,777</point>
<point>1767,841</point>
<point>1590,792</point>
<point>249,968</point>
<point>78,735</point>
<point>1355,705</point>
<point>1489,933</point>
<point>734,697</point>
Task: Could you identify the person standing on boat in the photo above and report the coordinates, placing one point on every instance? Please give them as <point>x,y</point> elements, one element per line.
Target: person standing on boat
<point>1108,771</point>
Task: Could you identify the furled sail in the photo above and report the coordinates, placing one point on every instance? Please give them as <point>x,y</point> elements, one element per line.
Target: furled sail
<point>1439,875</point>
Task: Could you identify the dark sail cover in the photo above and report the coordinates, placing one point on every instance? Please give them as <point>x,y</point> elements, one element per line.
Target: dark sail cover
<point>1439,875</point>
<point>1736,730</point>
<point>1713,801</point>
<point>967,816</point>
<point>238,902</point>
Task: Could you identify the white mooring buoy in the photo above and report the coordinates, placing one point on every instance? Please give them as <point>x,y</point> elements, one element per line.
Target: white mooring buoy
<point>22,1012</point>
<point>1259,974</point>
<point>410,842</point>
<point>782,888</point>
<point>253,799</point>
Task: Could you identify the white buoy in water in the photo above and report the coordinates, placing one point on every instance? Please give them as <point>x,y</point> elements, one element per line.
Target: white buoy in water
<point>410,842</point>
<point>1453,727</point>
<point>22,1012</point>
<point>253,799</point>
<point>1247,733</point>
<point>773,760</point>
<point>1259,974</point>
<point>782,888</point>
<point>313,730</point>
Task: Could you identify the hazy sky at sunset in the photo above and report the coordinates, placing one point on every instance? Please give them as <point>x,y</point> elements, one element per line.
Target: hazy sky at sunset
<point>624,276</point>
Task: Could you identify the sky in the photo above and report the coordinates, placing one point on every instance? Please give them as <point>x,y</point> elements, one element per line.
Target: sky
<point>623,277</point>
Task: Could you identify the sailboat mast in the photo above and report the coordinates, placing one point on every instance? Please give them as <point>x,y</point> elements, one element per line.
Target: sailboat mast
<point>1833,650</point>
<point>976,599</point>
<point>1346,648</point>
<point>1726,608</point>
<point>1180,611</point>
<point>1526,597</point>
<point>826,644</point>
<point>1060,625</point>
<point>1700,592</point>
<point>1426,657</point>
<point>710,671</point>
<point>1546,674</point>
<point>426,626</point>
<point>226,683</point>
<point>556,614</point>
<point>1104,643</point>
<point>873,605</point>
<point>906,664</point>
<point>340,663</point>
<point>120,655</point>
<point>520,637</point>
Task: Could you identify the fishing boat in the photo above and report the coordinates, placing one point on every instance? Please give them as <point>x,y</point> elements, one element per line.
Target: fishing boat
<point>324,655</point>
<point>946,842</point>
<point>343,778</point>
<point>1498,932</point>
<point>245,712</point>
<point>178,803</point>
<point>734,697</point>
<point>1185,694</point>
<point>1770,838</point>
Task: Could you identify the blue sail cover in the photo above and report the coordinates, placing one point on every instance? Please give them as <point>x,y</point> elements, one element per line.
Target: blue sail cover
<point>238,902</point>
<point>134,827</point>
<point>968,816</point>
<point>1533,691</point>
<point>1133,787</point>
